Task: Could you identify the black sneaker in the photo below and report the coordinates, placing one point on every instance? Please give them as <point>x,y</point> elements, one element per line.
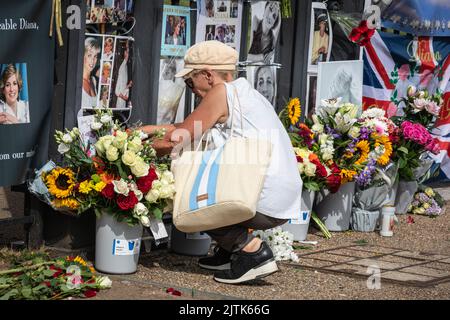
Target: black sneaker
<point>247,266</point>
<point>219,261</point>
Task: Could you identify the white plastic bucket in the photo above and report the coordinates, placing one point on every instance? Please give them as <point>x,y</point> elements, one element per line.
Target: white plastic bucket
<point>299,226</point>
<point>336,208</point>
<point>117,245</point>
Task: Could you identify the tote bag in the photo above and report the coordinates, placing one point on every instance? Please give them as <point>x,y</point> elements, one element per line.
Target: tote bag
<point>220,187</point>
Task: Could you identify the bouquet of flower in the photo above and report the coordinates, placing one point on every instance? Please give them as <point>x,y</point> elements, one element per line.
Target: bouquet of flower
<point>427,202</point>
<point>280,242</point>
<point>420,107</point>
<point>413,140</point>
<point>122,176</point>
<point>44,279</point>
<point>312,169</point>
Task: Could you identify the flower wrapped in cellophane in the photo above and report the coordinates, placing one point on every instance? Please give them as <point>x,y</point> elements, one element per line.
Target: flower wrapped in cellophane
<point>118,172</point>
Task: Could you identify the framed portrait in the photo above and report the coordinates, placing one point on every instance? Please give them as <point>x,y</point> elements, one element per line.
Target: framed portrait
<point>170,91</point>
<point>107,72</point>
<point>14,99</point>
<point>106,11</point>
<point>265,28</point>
<point>311,90</point>
<point>221,21</point>
<point>264,79</point>
<point>340,79</point>
<point>320,36</point>
<point>176,37</point>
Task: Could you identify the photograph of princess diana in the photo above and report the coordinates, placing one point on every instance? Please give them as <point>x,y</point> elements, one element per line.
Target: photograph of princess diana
<point>14,107</point>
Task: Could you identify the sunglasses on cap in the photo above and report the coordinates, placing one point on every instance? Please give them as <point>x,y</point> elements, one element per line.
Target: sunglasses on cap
<point>189,83</point>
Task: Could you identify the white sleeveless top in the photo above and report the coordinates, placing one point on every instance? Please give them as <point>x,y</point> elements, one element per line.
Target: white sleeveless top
<point>281,194</point>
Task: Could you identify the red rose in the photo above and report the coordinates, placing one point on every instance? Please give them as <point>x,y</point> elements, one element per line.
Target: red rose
<point>299,159</point>
<point>90,293</point>
<point>108,191</point>
<point>144,184</point>
<point>127,203</point>
<point>320,169</point>
<point>333,183</point>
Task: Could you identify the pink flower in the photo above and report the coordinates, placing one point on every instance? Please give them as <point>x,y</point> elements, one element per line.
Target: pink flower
<point>433,108</point>
<point>391,110</point>
<point>419,104</point>
<point>403,72</point>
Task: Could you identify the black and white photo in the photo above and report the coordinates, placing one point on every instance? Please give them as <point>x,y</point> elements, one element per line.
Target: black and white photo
<point>342,79</point>
<point>265,27</point>
<point>263,79</point>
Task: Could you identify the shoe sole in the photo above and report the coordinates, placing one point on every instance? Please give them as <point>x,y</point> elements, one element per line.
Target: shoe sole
<point>222,267</point>
<point>261,271</point>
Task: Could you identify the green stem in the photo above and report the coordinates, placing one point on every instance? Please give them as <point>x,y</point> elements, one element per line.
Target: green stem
<point>25,268</point>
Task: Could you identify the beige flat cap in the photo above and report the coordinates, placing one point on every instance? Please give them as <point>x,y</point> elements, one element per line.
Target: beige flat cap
<point>211,54</point>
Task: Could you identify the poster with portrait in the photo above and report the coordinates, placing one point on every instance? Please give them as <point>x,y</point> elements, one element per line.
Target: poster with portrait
<point>265,28</point>
<point>264,79</point>
<point>14,101</point>
<point>171,89</point>
<point>26,88</point>
<point>320,36</point>
<point>221,21</point>
<point>107,72</point>
<point>106,11</point>
<point>176,35</point>
<point>311,90</point>
<point>340,79</point>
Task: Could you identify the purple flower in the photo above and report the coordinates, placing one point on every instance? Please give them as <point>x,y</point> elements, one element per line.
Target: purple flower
<point>332,132</point>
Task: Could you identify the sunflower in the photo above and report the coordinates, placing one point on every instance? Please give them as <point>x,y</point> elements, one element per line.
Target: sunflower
<point>347,175</point>
<point>60,182</point>
<point>364,148</point>
<point>70,203</point>
<point>293,110</point>
<point>387,144</point>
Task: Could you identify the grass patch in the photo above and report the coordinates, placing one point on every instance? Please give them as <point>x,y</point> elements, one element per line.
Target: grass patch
<point>361,242</point>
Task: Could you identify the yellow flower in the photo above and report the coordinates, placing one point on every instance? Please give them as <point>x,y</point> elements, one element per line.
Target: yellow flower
<point>364,147</point>
<point>387,144</point>
<point>99,186</point>
<point>85,187</point>
<point>429,192</point>
<point>293,110</point>
<point>80,260</point>
<point>70,203</point>
<point>347,175</point>
<point>60,182</point>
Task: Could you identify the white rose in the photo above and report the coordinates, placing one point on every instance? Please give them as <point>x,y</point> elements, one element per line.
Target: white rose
<point>121,187</point>
<point>354,132</point>
<point>301,167</point>
<point>140,168</point>
<point>168,176</point>
<point>112,154</point>
<point>142,135</point>
<point>135,145</point>
<point>156,184</point>
<point>103,143</point>
<point>66,138</point>
<point>106,118</point>
<point>310,169</point>
<point>152,196</point>
<point>103,282</point>
<point>140,209</point>
<point>96,125</point>
<point>167,191</point>
<point>63,148</point>
<point>120,139</point>
<point>145,221</point>
<point>129,158</point>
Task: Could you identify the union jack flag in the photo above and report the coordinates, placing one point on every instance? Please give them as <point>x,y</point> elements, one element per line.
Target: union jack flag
<point>392,62</point>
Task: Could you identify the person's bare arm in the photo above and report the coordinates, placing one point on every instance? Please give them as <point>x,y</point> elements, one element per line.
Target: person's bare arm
<point>212,109</point>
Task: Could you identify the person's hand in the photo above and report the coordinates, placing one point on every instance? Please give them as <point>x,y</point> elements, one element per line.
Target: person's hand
<point>322,50</point>
<point>162,147</point>
<point>6,118</point>
<point>130,84</point>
